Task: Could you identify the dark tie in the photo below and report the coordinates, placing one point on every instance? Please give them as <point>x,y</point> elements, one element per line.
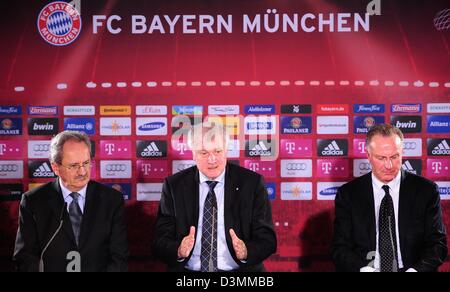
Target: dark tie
<point>75,216</point>
<point>387,236</point>
<point>208,256</point>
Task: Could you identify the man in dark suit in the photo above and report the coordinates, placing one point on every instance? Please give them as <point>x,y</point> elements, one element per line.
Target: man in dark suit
<point>71,224</point>
<point>214,216</point>
<point>388,220</point>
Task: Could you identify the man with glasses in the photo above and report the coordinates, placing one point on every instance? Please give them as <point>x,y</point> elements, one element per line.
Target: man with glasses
<point>72,223</point>
<point>214,216</point>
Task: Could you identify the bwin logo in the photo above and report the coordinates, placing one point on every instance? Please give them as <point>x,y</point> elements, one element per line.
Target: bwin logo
<point>406,125</point>
<point>151,151</point>
<point>43,171</point>
<point>442,149</point>
<point>45,127</point>
<point>260,149</point>
<point>332,150</point>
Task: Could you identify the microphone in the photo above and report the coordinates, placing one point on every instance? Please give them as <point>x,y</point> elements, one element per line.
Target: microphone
<point>61,221</point>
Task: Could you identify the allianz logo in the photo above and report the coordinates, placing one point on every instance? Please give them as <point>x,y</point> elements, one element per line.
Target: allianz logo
<point>43,171</point>
<point>437,124</point>
<point>442,149</point>
<point>333,149</point>
<point>151,151</point>
<point>87,126</point>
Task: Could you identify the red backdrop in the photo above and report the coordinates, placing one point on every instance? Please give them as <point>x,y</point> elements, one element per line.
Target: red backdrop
<point>403,45</point>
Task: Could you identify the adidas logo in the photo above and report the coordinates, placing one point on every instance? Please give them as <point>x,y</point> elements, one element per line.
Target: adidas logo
<point>151,151</point>
<point>43,171</point>
<point>332,149</point>
<point>442,149</point>
<point>408,167</point>
<point>260,149</point>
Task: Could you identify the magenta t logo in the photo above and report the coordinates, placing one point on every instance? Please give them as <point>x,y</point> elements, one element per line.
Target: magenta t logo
<point>115,149</point>
<point>438,167</point>
<point>359,148</point>
<point>11,150</point>
<point>148,169</point>
<point>181,150</point>
<point>264,168</point>
<point>332,168</point>
<point>296,148</point>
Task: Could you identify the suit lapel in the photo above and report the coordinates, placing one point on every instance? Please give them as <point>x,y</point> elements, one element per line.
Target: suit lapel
<point>231,191</point>
<point>191,197</point>
<point>56,202</point>
<point>406,193</point>
<point>369,202</point>
<point>90,209</point>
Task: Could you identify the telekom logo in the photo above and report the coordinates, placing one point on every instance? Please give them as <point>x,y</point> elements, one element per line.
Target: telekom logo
<point>182,148</point>
<point>290,147</point>
<point>146,168</point>
<point>326,167</point>
<point>110,148</point>
<point>436,167</point>
<point>254,166</point>
<point>2,149</point>
<point>362,147</point>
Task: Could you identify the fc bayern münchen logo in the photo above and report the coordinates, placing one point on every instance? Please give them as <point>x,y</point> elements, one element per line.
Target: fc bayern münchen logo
<point>59,23</point>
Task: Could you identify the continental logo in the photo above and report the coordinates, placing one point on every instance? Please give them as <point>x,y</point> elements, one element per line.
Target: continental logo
<point>115,110</point>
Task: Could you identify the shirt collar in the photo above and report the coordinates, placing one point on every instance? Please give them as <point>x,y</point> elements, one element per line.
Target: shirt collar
<point>220,179</point>
<point>393,184</point>
<point>66,193</point>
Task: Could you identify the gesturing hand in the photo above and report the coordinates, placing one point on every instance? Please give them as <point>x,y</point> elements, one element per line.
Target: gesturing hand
<point>186,246</point>
<point>239,246</point>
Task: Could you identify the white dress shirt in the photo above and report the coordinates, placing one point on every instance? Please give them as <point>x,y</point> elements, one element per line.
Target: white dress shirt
<point>225,261</point>
<point>68,199</point>
<point>379,193</point>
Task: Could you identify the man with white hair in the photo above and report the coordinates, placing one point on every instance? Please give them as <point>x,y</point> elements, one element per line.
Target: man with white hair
<point>214,216</point>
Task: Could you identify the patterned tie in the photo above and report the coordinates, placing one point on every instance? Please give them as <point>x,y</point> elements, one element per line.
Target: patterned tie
<point>387,237</point>
<point>75,216</point>
<point>208,256</point>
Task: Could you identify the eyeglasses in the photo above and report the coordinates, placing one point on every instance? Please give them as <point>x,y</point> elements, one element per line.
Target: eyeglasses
<point>76,166</point>
<point>206,154</point>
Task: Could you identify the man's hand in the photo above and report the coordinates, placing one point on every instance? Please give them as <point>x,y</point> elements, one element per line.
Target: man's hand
<point>239,246</point>
<point>186,246</point>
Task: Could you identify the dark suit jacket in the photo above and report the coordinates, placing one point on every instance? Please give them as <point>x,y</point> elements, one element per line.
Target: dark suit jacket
<point>247,211</point>
<point>423,240</point>
<point>103,236</point>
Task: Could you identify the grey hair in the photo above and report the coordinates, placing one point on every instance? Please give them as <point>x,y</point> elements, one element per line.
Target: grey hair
<point>384,130</point>
<point>57,144</point>
<point>208,131</point>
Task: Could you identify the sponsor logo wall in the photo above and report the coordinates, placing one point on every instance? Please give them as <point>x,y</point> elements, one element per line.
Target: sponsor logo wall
<point>303,142</point>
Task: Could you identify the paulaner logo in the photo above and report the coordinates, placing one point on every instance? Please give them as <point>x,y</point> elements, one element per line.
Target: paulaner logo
<point>59,23</point>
